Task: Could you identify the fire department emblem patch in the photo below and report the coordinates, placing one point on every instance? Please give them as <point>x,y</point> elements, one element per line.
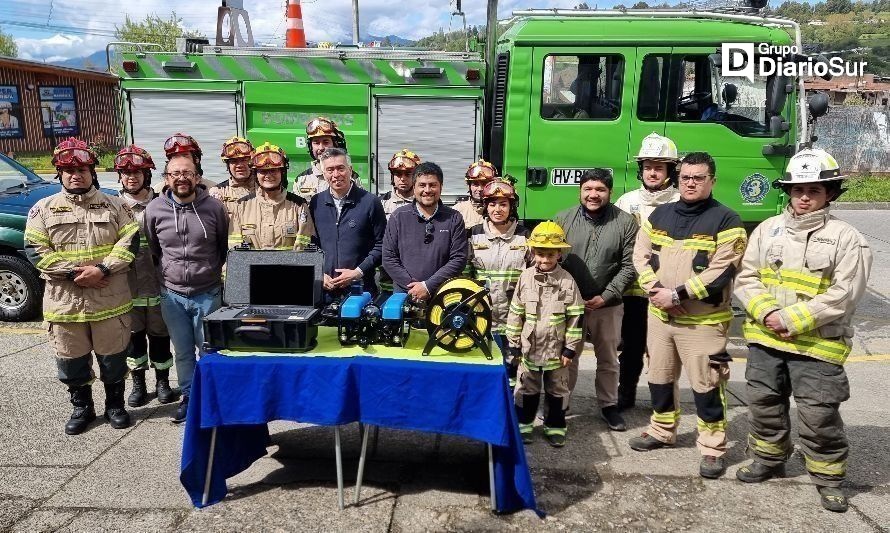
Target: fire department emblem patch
<point>33,212</point>
<point>739,246</point>
<point>754,188</point>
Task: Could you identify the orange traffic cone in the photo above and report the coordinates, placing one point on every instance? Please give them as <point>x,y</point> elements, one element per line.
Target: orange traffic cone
<point>295,36</point>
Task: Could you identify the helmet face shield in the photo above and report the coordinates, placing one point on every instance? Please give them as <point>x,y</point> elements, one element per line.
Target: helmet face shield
<point>321,127</point>
<point>236,149</point>
<point>268,156</point>
<point>498,189</point>
<point>133,158</point>
<point>73,152</point>
<point>405,160</point>
<point>179,143</point>
<point>481,171</point>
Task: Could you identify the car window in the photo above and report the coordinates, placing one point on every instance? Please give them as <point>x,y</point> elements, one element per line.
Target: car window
<point>705,96</point>
<point>582,87</point>
<point>10,176</point>
<point>652,94</point>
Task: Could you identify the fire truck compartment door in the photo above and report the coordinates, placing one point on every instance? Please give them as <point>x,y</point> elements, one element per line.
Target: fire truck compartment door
<point>210,117</point>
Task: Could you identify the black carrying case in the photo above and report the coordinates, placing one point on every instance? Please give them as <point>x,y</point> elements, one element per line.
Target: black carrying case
<point>271,299</point>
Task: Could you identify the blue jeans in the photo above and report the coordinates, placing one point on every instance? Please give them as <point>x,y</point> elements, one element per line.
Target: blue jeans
<point>184,317</point>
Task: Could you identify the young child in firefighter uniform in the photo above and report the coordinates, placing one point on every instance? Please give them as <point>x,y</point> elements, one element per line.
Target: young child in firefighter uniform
<point>800,280</point>
<point>149,337</point>
<point>470,207</point>
<point>271,218</point>
<point>498,254</point>
<point>544,330</point>
<point>235,154</point>
<point>82,241</point>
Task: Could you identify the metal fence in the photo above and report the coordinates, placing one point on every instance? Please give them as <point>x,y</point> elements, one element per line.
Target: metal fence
<point>858,137</point>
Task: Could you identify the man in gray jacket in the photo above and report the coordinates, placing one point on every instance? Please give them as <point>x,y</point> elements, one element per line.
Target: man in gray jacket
<point>187,232</point>
<point>601,261</point>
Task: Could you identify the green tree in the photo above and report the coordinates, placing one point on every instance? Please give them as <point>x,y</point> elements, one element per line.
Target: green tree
<point>154,29</point>
<point>640,5</point>
<point>8,47</point>
<point>838,6</point>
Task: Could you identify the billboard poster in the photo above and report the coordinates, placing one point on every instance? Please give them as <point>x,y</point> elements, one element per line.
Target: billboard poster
<point>59,111</point>
<point>12,125</point>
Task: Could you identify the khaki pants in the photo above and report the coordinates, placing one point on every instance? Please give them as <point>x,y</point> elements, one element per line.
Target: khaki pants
<point>701,350</point>
<point>602,328</point>
<point>73,343</point>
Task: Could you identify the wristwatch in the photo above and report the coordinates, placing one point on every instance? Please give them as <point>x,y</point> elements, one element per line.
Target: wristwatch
<point>675,298</point>
<point>105,271</point>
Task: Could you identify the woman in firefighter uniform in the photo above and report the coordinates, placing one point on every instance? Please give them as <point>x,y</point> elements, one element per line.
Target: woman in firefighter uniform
<point>236,156</point>
<point>401,171</point>
<point>82,241</point>
<point>271,218</point>
<point>800,280</point>
<point>149,338</point>
<point>657,171</point>
<point>321,133</point>
<point>498,255</point>
<point>470,207</point>
<point>544,330</point>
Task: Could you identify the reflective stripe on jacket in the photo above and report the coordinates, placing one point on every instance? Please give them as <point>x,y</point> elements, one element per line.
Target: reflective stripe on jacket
<point>812,270</point>
<point>694,249</point>
<point>499,260</point>
<point>640,203</point>
<point>545,317</point>
<point>65,231</point>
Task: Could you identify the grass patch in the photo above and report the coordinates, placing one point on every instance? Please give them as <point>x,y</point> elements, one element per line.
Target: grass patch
<point>44,160</point>
<point>867,189</point>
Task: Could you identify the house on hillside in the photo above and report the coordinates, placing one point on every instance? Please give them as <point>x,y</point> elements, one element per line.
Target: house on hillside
<point>873,90</point>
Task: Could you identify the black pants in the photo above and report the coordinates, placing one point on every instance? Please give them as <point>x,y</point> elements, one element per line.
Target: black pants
<point>819,388</point>
<point>633,340</point>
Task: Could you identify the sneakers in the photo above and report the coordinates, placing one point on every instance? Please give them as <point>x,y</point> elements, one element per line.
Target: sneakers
<point>711,467</point>
<point>759,472</point>
<point>646,442</point>
<point>833,499</point>
<point>181,411</point>
<point>612,416</point>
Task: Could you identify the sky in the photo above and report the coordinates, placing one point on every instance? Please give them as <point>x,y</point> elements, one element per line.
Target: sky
<point>55,30</point>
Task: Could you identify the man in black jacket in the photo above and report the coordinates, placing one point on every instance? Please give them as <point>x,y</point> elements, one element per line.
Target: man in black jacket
<point>349,222</point>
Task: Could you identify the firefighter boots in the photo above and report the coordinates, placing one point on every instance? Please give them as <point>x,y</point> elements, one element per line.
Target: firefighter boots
<point>711,467</point>
<point>139,395</point>
<point>833,499</point>
<point>646,442</point>
<point>758,472</point>
<point>115,413</point>
<point>84,411</point>
<point>162,387</point>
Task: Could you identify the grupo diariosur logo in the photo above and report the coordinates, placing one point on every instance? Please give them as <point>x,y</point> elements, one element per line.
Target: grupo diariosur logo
<point>764,59</point>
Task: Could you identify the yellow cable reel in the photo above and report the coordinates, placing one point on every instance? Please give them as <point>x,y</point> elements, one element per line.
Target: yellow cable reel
<point>459,317</point>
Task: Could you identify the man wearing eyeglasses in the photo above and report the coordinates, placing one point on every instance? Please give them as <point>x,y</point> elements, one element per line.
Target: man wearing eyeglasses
<point>349,222</point>
<point>687,255</point>
<point>187,232</point>
<point>426,241</point>
<point>601,261</point>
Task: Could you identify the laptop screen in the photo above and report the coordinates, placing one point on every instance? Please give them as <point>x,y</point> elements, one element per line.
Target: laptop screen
<point>282,285</point>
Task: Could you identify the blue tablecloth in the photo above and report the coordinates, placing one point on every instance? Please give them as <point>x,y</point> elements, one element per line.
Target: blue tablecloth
<point>240,395</point>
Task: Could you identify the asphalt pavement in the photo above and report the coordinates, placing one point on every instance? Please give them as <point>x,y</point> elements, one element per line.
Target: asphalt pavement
<point>127,480</point>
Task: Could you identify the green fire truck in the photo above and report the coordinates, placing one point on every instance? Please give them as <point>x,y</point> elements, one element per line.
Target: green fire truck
<point>561,91</point>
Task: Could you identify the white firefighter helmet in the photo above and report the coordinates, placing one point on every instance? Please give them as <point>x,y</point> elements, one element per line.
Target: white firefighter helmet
<point>811,165</point>
<point>658,148</point>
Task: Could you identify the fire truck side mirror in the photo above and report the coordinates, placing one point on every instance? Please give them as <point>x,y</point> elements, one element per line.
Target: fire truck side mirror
<point>818,104</point>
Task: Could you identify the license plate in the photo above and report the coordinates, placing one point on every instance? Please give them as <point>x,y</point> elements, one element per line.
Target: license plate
<point>565,177</point>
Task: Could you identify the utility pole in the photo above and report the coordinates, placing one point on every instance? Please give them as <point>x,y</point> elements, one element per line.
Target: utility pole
<point>355,36</point>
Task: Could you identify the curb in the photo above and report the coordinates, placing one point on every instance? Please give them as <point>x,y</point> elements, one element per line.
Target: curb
<point>861,206</point>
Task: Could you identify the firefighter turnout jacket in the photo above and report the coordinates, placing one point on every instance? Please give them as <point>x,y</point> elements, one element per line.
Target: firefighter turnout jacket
<point>67,230</point>
<point>283,224</point>
<point>228,192</point>
<point>640,203</point>
<point>392,201</point>
<point>695,249</point>
<point>498,260</point>
<point>144,280</point>
<point>470,210</point>
<point>812,269</point>
<point>544,320</point>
